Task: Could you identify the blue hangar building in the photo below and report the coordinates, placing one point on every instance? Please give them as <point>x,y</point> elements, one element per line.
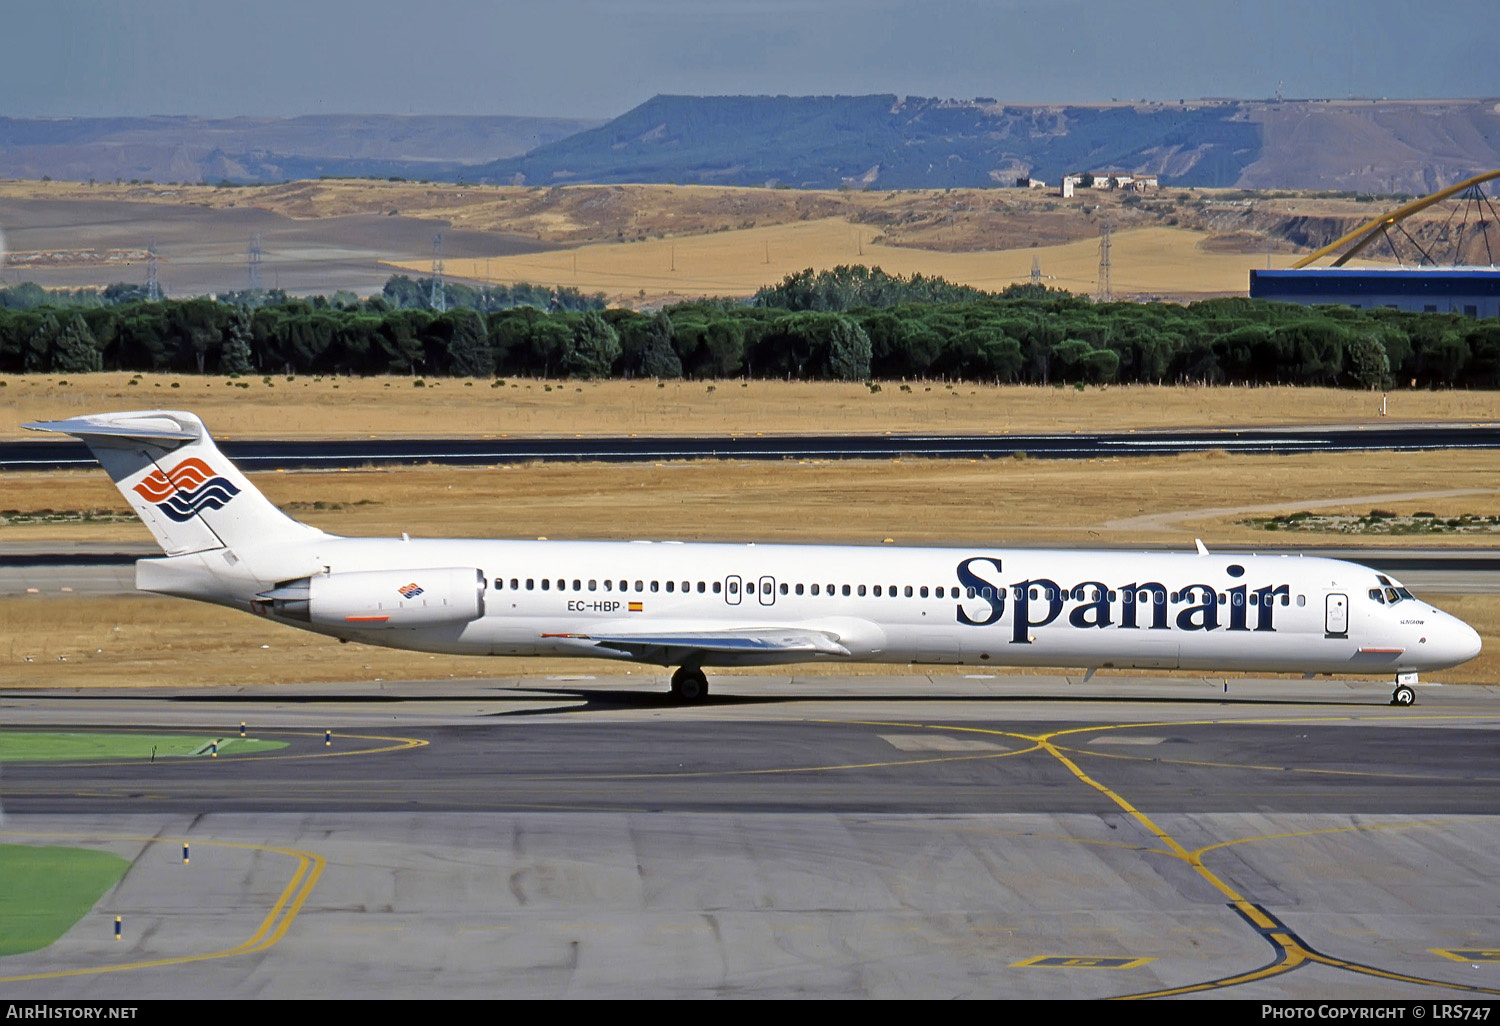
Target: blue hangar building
<point>1472,291</point>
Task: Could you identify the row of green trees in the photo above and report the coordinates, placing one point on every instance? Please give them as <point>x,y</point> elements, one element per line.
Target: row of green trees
<point>854,325</point>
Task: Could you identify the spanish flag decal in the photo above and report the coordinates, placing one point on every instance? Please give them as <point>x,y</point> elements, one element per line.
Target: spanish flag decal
<point>637,607</point>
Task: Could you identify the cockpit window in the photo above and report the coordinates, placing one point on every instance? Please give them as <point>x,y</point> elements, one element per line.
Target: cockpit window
<point>1389,592</point>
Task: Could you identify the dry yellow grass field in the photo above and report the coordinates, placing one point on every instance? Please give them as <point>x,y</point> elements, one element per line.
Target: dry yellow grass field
<point>1155,261</point>
<point>1151,501</point>
<point>309,407</point>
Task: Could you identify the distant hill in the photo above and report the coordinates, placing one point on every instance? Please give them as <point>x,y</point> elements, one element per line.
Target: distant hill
<point>884,142</point>
<point>805,142</point>
<point>191,149</point>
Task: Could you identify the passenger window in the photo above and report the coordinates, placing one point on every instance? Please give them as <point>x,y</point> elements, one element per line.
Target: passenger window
<point>1301,600</point>
<point>655,586</point>
<point>814,589</point>
<point>716,587</point>
<point>593,585</point>
<point>783,589</point>
<point>908,591</point>
<point>499,584</point>
<point>577,584</point>
<point>799,589</point>
<point>515,584</point>
<point>734,587</point>
<point>609,585</point>
<point>861,591</point>
<point>546,584</point>
<point>846,591</point>
<point>924,591</point>
<point>702,588</point>
<point>669,585</point>
<point>530,583</point>
<point>877,591</point>
<point>641,586</point>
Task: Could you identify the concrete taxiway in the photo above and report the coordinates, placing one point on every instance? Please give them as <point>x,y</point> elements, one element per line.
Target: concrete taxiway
<point>886,836</point>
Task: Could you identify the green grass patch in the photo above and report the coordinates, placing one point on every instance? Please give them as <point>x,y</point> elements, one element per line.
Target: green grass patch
<point>23,746</point>
<point>47,890</point>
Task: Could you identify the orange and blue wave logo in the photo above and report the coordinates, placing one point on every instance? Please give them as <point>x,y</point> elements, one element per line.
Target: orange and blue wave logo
<point>187,489</point>
<point>411,590</point>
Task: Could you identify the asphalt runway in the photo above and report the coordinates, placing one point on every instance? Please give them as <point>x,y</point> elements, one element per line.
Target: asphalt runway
<point>881,836</point>
<point>328,454</point>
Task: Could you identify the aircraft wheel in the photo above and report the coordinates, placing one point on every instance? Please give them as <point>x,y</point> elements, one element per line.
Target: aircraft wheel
<point>1403,695</point>
<point>689,685</point>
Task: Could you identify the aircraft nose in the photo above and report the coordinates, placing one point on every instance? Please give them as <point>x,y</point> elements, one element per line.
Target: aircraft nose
<point>1458,642</point>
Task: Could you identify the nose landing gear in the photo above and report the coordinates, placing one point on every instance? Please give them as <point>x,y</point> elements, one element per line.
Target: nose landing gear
<point>1404,694</point>
<point>689,685</point>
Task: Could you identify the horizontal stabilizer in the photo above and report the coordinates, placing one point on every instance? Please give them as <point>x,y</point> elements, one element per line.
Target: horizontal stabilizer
<point>145,427</point>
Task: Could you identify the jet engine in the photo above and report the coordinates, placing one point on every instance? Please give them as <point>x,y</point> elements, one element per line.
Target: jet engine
<point>381,598</point>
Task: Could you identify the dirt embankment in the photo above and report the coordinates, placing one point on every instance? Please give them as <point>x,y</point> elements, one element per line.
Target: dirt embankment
<point>943,221</point>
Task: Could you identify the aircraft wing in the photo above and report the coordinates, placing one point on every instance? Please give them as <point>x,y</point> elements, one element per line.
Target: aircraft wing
<point>668,646</point>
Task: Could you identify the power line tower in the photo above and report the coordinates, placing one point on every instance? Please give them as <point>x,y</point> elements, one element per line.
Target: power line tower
<point>254,260</point>
<point>153,286</point>
<point>1106,294</point>
<point>439,300</point>
<point>1036,271</point>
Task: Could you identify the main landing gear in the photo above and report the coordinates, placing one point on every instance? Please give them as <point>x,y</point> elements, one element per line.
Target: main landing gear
<point>689,685</point>
<point>1404,694</point>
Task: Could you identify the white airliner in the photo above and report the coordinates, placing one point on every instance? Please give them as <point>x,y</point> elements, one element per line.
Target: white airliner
<point>694,605</point>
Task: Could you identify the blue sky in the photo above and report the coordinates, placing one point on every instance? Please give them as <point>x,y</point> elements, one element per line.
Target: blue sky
<point>597,58</point>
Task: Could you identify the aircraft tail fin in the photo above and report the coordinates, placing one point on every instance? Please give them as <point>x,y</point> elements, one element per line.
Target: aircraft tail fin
<point>179,483</point>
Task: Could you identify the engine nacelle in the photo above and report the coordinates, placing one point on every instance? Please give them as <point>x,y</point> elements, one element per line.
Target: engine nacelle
<point>382,598</point>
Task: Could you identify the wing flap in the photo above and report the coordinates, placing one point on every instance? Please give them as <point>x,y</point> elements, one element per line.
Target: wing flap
<point>764,640</point>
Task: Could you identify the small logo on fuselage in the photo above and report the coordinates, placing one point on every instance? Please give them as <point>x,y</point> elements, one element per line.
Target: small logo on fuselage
<point>410,590</point>
<point>187,489</point>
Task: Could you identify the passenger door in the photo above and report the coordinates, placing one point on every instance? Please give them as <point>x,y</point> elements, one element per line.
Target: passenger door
<point>1336,621</point>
